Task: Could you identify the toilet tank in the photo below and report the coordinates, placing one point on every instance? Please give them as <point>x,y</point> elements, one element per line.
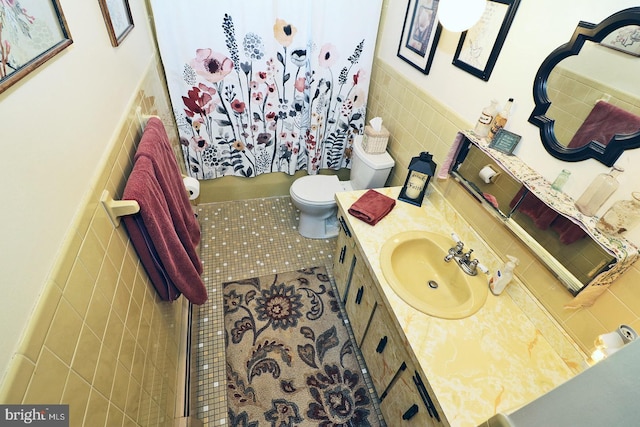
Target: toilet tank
<point>369,170</point>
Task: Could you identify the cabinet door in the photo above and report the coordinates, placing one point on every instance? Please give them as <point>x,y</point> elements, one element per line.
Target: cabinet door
<point>406,405</point>
<point>343,260</point>
<point>383,349</point>
<point>360,301</point>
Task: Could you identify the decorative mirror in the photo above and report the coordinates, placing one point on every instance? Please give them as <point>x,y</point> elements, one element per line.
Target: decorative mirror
<point>590,83</point>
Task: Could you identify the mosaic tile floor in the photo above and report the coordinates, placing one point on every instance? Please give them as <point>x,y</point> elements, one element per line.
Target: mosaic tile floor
<point>240,240</point>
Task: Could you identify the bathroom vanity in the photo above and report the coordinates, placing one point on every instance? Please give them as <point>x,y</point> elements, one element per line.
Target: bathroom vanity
<point>430,371</point>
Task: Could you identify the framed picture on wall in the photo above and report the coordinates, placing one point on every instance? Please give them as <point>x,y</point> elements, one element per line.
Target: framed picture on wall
<point>117,16</point>
<point>420,34</point>
<point>479,46</point>
<point>30,35</point>
<point>625,39</point>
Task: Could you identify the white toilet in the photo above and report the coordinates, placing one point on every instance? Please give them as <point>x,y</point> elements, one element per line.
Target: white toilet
<point>314,195</point>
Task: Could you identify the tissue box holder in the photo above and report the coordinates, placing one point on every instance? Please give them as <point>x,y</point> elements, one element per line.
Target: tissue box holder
<point>375,142</point>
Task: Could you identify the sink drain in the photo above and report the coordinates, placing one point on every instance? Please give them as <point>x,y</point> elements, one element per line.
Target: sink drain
<point>433,284</point>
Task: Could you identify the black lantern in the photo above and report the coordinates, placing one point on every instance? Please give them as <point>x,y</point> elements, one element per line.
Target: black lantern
<point>421,169</point>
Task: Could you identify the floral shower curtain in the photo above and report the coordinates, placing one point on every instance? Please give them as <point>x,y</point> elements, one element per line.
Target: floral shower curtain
<point>260,86</point>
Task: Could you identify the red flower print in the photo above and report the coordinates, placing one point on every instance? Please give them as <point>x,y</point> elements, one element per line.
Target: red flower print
<point>238,106</point>
<point>197,102</point>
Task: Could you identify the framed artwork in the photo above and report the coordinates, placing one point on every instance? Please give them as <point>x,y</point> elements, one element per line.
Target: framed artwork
<point>31,33</point>
<point>420,34</point>
<point>117,16</point>
<point>625,39</point>
<point>480,45</point>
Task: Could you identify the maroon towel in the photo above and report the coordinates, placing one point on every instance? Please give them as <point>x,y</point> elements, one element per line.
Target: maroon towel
<point>371,207</point>
<point>541,214</point>
<point>155,146</point>
<point>150,258</point>
<point>544,217</point>
<point>568,231</point>
<point>603,123</point>
<point>174,260</point>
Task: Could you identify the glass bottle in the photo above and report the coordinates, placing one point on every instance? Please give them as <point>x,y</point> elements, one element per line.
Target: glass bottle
<point>598,192</point>
<point>501,119</point>
<point>486,118</point>
<point>561,180</point>
<point>622,216</point>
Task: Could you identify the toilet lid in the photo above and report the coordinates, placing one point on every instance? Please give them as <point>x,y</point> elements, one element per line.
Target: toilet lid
<point>317,188</point>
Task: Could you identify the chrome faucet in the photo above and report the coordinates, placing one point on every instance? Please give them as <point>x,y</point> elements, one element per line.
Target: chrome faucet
<point>463,259</point>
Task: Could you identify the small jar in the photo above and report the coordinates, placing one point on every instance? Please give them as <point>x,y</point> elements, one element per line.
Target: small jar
<point>561,180</point>
<point>622,216</point>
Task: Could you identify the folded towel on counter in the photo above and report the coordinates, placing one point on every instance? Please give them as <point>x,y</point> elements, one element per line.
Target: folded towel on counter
<point>163,254</point>
<point>155,146</point>
<point>371,207</point>
<point>603,123</point>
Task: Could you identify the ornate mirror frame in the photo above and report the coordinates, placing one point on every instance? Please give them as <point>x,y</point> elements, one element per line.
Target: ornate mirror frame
<point>585,31</point>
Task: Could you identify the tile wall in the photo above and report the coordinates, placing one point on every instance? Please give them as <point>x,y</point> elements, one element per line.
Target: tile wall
<point>99,339</point>
<point>418,122</point>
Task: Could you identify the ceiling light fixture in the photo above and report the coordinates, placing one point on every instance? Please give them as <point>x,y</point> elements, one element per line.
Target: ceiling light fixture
<point>460,15</point>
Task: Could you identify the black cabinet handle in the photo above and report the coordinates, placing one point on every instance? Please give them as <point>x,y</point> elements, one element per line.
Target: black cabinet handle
<point>344,226</point>
<point>402,368</point>
<point>426,399</point>
<point>382,344</point>
<point>359,295</point>
<point>343,252</point>
<point>411,412</point>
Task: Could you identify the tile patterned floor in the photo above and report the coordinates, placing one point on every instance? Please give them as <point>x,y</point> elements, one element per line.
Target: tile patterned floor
<point>240,240</point>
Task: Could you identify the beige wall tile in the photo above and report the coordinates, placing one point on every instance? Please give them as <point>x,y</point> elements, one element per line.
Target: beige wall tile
<point>115,417</point>
<point>98,313</point>
<point>35,334</point>
<point>48,380</point>
<point>120,386</point>
<point>96,414</point>
<point>108,278</point>
<point>18,374</point>
<point>85,358</point>
<point>64,333</point>
<point>76,395</point>
<point>79,288</point>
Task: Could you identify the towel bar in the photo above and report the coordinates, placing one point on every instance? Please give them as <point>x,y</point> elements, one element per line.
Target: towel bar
<point>117,208</point>
<point>143,118</point>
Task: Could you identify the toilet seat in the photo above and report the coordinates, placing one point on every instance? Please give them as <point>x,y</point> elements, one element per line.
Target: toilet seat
<point>316,189</point>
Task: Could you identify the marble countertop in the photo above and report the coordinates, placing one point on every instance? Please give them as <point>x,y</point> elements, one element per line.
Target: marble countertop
<point>493,361</point>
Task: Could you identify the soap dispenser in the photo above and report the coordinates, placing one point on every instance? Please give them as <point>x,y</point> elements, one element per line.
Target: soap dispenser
<point>502,277</point>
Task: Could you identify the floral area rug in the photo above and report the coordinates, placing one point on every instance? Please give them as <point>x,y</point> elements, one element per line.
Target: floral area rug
<point>290,361</point>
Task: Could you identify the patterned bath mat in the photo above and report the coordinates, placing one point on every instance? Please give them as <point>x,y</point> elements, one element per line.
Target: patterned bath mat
<point>289,358</point>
